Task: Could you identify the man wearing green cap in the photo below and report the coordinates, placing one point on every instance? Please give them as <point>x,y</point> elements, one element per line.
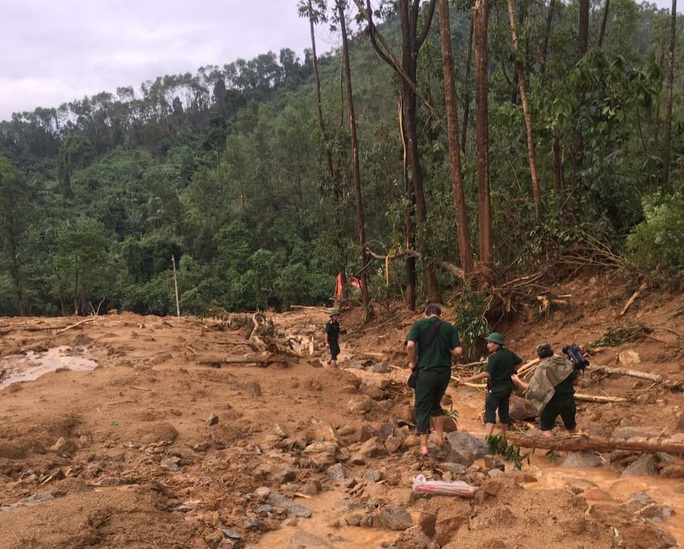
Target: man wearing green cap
<point>332,334</point>
<point>501,365</point>
<point>551,390</point>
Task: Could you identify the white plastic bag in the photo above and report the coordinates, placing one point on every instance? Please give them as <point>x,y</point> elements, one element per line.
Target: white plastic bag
<point>457,488</point>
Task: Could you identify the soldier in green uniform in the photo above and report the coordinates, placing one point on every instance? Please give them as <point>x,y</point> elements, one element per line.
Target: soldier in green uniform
<point>432,358</point>
<point>332,335</point>
<point>501,365</point>
<point>551,390</point>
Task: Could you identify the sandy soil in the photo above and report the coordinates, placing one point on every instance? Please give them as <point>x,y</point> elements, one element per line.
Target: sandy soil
<point>138,435</point>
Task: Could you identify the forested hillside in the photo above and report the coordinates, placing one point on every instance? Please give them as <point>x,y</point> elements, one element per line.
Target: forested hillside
<point>444,145</point>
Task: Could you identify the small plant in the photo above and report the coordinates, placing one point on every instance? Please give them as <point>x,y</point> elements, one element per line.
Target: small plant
<point>623,334</point>
<point>452,413</point>
<point>498,445</point>
<point>471,322</point>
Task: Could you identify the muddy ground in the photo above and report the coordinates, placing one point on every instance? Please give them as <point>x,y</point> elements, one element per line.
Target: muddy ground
<point>138,435</point>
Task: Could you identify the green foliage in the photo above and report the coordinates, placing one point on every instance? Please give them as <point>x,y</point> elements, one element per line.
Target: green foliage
<point>656,245</point>
<point>471,321</point>
<point>227,170</point>
<point>498,445</point>
<point>622,334</point>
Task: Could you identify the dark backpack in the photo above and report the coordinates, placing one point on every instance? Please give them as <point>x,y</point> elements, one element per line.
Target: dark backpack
<point>579,361</point>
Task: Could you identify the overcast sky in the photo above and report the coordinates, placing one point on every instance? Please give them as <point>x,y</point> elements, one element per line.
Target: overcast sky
<point>56,51</point>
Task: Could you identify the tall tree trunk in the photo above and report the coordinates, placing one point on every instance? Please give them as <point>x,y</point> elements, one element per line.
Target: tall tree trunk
<point>313,16</point>
<point>520,70</point>
<point>412,41</point>
<point>582,46</point>
<point>410,51</point>
<point>667,138</point>
<point>604,21</point>
<point>661,59</point>
<point>465,251</point>
<point>481,18</point>
<point>466,99</point>
<point>557,162</point>
<point>360,221</point>
<point>547,33</point>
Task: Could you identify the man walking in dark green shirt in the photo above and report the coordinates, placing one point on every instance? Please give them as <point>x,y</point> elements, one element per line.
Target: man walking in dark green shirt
<point>430,344</point>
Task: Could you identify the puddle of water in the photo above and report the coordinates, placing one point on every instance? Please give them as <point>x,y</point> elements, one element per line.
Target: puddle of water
<point>33,365</point>
<point>321,525</point>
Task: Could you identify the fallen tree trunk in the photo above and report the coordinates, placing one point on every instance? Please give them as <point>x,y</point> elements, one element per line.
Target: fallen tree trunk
<point>625,372</point>
<point>575,443</point>
<point>599,398</point>
<point>217,362</point>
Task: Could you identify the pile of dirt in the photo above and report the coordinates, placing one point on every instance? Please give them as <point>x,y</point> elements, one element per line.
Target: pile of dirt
<point>188,434</point>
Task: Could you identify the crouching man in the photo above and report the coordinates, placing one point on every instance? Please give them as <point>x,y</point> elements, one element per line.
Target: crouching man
<point>551,390</point>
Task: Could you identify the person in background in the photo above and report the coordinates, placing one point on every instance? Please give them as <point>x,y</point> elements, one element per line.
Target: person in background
<point>332,335</point>
<point>433,360</point>
<point>551,390</point>
<point>501,365</point>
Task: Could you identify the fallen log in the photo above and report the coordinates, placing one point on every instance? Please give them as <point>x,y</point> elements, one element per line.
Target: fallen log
<point>625,372</point>
<point>599,398</point>
<point>74,325</point>
<point>634,296</point>
<point>262,361</point>
<point>579,442</point>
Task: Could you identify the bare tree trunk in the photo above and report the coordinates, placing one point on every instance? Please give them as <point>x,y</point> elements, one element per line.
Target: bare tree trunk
<point>582,45</point>
<point>466,99</point>
<point>557,164</point>
<point>661,58</point>
<point>547,33</point>
<point>412,41</point>
<point>667,138</point>
<point>604,21</point>
<point>481,18</point>
<point>360,221</point>
<point>464,249</point>
<point>520,70</point>
<point>576,443</point>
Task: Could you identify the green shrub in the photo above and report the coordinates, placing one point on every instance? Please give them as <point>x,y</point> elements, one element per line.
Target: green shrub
<point>657,244</point>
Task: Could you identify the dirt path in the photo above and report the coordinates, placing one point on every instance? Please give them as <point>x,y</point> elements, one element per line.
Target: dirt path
<point>156,448</point>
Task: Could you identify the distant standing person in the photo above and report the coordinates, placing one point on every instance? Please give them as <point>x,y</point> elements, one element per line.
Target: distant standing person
<point>501,365</point>
<point>551,390</point>
<point>332,335</point>
<point>430,344</point>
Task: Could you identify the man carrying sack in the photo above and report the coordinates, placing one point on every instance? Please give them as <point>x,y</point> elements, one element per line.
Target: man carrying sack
<point>551,390</point>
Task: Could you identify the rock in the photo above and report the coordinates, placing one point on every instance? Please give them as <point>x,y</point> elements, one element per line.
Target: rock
<point>453,468</point>
<point>672,471</point>
<point>393,443</point>
<point>395,517</point>
<point>360,405</point>
<point>212,420</point>
<point>521,409</point>
<point>305,539</point>
<point>293,508</point>
<point>461,442</point>
<point>381,368</point>
<point>64,446</point>
<point>373,448</point>
<point>645,465</point>
<point>323,431</point>
<point>585,458</point>
<point>628,432</point>
<point>628,358</point>
<point>336,472</point>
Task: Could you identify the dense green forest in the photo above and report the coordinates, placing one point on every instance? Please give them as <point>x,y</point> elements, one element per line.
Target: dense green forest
<point>434,153</point>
